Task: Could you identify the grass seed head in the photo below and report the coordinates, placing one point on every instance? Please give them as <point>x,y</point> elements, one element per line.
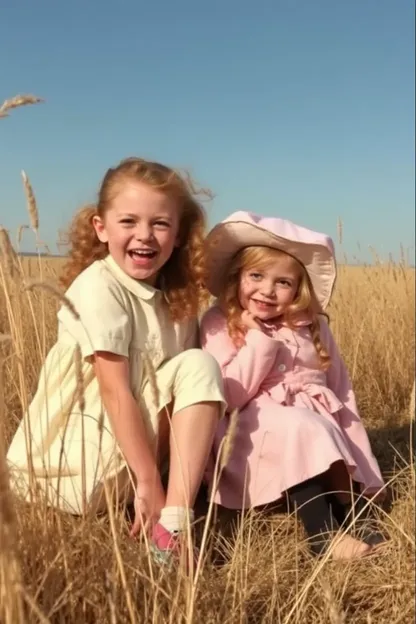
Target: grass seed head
<point>16,102</point>
<point>31,203</point>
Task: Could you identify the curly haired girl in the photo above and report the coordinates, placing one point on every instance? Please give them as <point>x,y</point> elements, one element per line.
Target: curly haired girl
<point>124,387</point>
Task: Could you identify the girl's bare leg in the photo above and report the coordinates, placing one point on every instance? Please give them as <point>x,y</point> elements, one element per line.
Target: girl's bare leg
<point>192,431</point>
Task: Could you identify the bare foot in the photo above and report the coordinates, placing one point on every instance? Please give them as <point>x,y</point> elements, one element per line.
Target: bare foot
<point>348,548</point>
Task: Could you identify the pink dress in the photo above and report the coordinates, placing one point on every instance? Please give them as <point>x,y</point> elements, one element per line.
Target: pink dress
<point>294,419</point>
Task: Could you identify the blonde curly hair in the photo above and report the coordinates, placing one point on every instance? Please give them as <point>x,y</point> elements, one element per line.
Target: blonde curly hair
<point>259,258</point>
<point>183,274</point>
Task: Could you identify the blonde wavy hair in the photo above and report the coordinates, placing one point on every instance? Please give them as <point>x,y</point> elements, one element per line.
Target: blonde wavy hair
<point>259,258</point>
<point>183,274</point>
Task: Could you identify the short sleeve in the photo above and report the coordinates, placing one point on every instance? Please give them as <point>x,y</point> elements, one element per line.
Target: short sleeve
<point>104,322</point>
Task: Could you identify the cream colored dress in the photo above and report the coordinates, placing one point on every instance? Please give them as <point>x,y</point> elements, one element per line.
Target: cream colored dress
<point>66,450</point>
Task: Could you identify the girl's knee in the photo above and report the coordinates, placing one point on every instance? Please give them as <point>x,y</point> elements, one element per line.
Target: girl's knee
<point>196,362</point>
<point>198,379</point>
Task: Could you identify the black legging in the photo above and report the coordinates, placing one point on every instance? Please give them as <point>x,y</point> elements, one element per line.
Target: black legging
<point>310,501</point>
<point>322,514</point>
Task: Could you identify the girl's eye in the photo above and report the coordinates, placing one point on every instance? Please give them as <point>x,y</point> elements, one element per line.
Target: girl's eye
<point>163,224</point>
<point>127,221</point>
<point>256,276</point>
<point>285,283</point>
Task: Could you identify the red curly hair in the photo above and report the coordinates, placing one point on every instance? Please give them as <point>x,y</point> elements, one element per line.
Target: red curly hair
<point>259,258</point>
<point>183,274</point>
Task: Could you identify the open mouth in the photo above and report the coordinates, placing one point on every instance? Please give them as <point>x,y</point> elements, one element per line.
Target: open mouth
<point>142,254</point>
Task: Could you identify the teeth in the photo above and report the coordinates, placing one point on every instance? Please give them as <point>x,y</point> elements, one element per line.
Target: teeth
<point>143,252</point>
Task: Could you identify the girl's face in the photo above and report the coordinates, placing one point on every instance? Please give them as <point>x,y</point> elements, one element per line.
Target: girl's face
<point>267,292</point>
<point>141,228</point>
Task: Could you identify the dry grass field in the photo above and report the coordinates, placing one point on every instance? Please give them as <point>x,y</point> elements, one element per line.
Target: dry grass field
<point>256,569</point>
<point>55,568</point>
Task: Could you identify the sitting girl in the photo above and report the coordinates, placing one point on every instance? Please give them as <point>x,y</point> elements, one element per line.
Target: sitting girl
<point>124,388</point>
<point>298,431</point>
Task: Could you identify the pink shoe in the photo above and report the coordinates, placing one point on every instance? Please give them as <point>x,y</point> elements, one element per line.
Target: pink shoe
<point>167,547</point>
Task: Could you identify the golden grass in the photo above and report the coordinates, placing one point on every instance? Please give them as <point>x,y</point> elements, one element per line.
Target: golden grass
<point>31,203</point>
<point>17,101</point>
<point>66,569</point>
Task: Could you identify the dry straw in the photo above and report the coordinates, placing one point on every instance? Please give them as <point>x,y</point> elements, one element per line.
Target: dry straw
<point>8,253</point>
<point>16,102</point>
<point>79,378</point>
<point>6,507</point>
<point>229,439</point>
<point>31,203</point>
<point>20,231</point>
<point>336,614</point>
<point>11,606</point>
<point>412,402</point>
<point>340,230</point>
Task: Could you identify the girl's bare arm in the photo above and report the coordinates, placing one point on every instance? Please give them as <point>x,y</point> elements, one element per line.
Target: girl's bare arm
<point>112,372</point>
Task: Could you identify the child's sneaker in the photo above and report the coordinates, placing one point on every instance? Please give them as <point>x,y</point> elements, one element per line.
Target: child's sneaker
<point>168,548</point>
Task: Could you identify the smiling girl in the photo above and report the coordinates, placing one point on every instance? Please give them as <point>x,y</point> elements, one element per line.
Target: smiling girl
<point>299,433</point>
<point>124,389</point>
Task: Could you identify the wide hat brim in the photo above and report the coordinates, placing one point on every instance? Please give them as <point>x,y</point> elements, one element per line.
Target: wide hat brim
<point>312,249</point>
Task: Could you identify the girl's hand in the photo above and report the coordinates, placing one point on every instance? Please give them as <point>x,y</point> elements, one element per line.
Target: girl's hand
<point>249,321</point>
<point>149,501</point>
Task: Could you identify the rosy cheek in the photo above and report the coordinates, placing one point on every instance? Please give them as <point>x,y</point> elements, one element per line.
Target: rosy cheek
<point>246,291</point>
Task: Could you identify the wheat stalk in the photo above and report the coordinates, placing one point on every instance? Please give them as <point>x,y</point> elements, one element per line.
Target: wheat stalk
<point>79,375</point>
<point>20,231</point>
<point>340,230</point>
<point>4,339</point>
<point>229,439</point>
<point>17,101</point>
<point>335,613</point>
<point>412,402</point>
<point>11,605</point>
<point>8,252</point>
<point>31,202</point>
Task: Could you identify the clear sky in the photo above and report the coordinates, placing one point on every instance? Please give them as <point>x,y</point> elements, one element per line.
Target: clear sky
<point>299,108</point>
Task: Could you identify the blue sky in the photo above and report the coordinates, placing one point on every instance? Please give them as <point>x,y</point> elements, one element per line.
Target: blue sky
<point>298,108</point>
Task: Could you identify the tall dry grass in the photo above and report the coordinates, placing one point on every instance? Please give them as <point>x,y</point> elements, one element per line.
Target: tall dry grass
<point>58,568</point>
<point>65,569</point>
